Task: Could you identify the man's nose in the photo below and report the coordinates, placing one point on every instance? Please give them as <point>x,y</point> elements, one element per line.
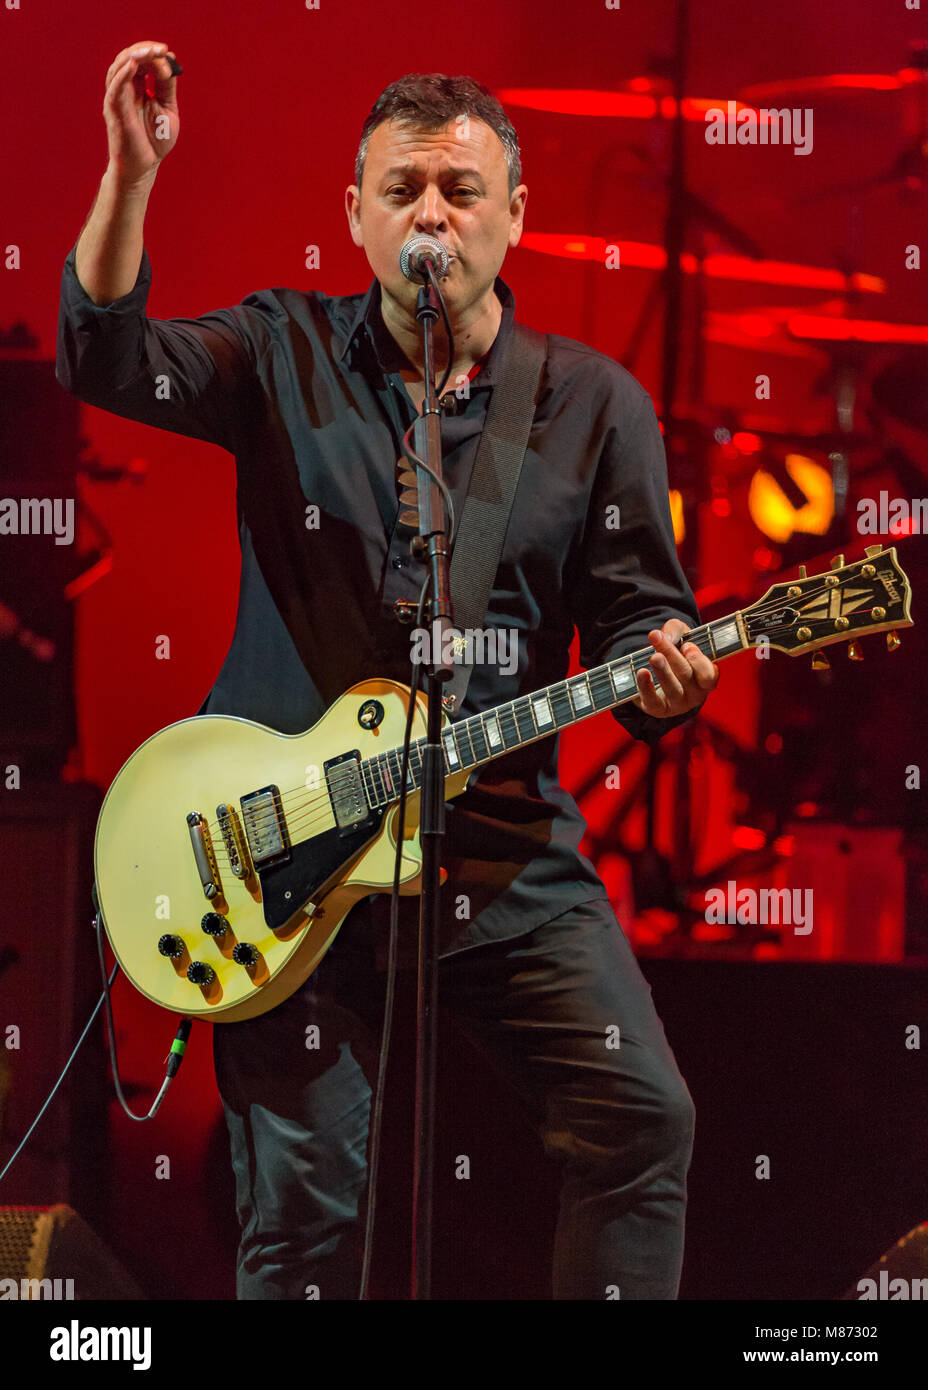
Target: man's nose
<point>431,213</point>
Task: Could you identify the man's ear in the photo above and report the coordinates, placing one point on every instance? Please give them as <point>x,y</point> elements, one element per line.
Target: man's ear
<point>517,213</point>
<point>353,211</point>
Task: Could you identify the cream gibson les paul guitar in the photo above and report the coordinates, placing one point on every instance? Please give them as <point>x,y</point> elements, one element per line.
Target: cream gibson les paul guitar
<point>224,867</point>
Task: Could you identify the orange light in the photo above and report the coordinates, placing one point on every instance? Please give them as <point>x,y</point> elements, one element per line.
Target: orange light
<point>774,514</point>
<point>676,516</point>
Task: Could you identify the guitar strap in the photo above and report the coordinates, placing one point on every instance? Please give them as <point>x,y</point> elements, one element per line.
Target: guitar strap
<point>487,507</point>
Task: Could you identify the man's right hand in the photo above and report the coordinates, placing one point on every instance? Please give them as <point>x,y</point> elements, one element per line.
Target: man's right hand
<point>140,129</point>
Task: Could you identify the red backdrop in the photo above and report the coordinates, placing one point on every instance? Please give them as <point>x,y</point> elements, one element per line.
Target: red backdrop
<point>271,104</point>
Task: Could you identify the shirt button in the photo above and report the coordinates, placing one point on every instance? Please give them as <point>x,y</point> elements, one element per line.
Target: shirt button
<point>400,562</point>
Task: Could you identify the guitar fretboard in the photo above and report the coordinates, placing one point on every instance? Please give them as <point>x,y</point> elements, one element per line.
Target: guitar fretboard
<point>482,737</point>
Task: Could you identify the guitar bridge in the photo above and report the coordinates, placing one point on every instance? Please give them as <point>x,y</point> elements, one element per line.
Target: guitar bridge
<point>234,839</point>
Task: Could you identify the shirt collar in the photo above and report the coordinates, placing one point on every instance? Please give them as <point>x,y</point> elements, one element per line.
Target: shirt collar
<point>368,323</point>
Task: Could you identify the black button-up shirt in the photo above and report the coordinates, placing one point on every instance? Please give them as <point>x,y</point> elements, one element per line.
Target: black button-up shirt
<point>304,389</point>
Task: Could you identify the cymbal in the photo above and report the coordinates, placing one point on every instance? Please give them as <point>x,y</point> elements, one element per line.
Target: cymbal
<point>774,327</point>
<point>756,332</point>
<point>840,85</point>
<point>827,328</point>
<point>642,255</point>
<point>641,98</point>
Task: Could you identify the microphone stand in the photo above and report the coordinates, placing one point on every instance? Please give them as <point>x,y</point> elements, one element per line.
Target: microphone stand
<point>432,542</point>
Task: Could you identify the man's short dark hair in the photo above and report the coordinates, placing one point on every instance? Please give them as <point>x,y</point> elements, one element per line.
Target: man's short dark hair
<point>428,101</point>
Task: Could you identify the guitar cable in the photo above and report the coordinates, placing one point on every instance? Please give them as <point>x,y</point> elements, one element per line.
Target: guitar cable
<point>174,1058</point>
<point>178,1046</point>
<point>415,678</point>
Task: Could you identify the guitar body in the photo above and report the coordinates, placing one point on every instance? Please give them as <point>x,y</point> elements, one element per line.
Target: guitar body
<point>150,865</point>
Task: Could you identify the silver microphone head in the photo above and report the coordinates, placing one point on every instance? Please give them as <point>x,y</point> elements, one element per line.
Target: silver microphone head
<point>416,250</point>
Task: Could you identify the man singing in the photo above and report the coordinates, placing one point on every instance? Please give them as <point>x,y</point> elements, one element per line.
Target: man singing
<point>312,394</point>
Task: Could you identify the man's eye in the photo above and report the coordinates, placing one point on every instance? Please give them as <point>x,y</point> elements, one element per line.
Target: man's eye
<point>460,191</point>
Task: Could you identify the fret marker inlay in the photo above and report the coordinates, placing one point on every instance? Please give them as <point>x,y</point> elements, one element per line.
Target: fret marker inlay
<point>542,710</point>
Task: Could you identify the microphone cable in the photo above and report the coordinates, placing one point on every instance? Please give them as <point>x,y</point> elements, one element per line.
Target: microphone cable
<point>376,1123</point>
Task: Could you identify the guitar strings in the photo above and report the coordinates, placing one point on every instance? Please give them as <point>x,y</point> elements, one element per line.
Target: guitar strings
<point>754,620</point>
<point>307,811</point>
<point>316,810</point>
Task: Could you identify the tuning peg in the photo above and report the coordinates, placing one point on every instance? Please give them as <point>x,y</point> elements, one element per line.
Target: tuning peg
<point>854,652</point>
<point>838,562</point>
<point>802,572</point>
<point>892,641</point>
<point>872,550</point>
<point>820,662</point>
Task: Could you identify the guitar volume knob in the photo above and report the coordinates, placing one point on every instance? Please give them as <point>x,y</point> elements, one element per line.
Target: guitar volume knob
<point>245,954</point>
<point>171,945</point>
<point>199,973</point>
<point>214,924</point>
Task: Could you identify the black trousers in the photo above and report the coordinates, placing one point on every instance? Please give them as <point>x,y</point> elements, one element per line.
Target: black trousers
<point>565,1015</point>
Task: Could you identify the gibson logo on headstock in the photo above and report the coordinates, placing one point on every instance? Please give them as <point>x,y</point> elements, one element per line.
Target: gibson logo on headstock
<point>887,578</point>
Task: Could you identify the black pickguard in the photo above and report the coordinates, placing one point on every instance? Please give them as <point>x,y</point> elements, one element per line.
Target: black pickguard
<point>308,866</point>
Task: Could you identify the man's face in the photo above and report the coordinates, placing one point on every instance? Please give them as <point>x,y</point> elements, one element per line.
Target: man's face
<point>453,185</point>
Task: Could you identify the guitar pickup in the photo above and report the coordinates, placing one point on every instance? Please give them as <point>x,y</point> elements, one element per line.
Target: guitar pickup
<point>265,827</point>
<point>346,792</point>
<point>235,843</point>
<point>204,855</point>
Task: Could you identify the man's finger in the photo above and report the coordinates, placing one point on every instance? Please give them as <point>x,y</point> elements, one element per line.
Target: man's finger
<point>672,674</point>
<point>705,671</point>
<point>652,700</point>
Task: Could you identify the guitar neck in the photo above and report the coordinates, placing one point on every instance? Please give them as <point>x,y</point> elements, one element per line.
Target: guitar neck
<point>482,737</point>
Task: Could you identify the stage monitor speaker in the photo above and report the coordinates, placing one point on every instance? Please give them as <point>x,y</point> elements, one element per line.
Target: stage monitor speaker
<point>50,1253</point>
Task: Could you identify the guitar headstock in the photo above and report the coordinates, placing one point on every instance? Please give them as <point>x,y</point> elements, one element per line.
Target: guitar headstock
<point>846,602</point>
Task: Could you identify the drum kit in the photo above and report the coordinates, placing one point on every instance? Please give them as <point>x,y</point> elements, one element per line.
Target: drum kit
<point>870,373</point>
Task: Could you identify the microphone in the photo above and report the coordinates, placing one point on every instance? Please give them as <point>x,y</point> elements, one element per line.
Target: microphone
<point>418,252</point>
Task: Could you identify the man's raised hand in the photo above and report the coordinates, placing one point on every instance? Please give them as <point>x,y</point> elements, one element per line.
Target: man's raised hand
<point>141,129</point>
